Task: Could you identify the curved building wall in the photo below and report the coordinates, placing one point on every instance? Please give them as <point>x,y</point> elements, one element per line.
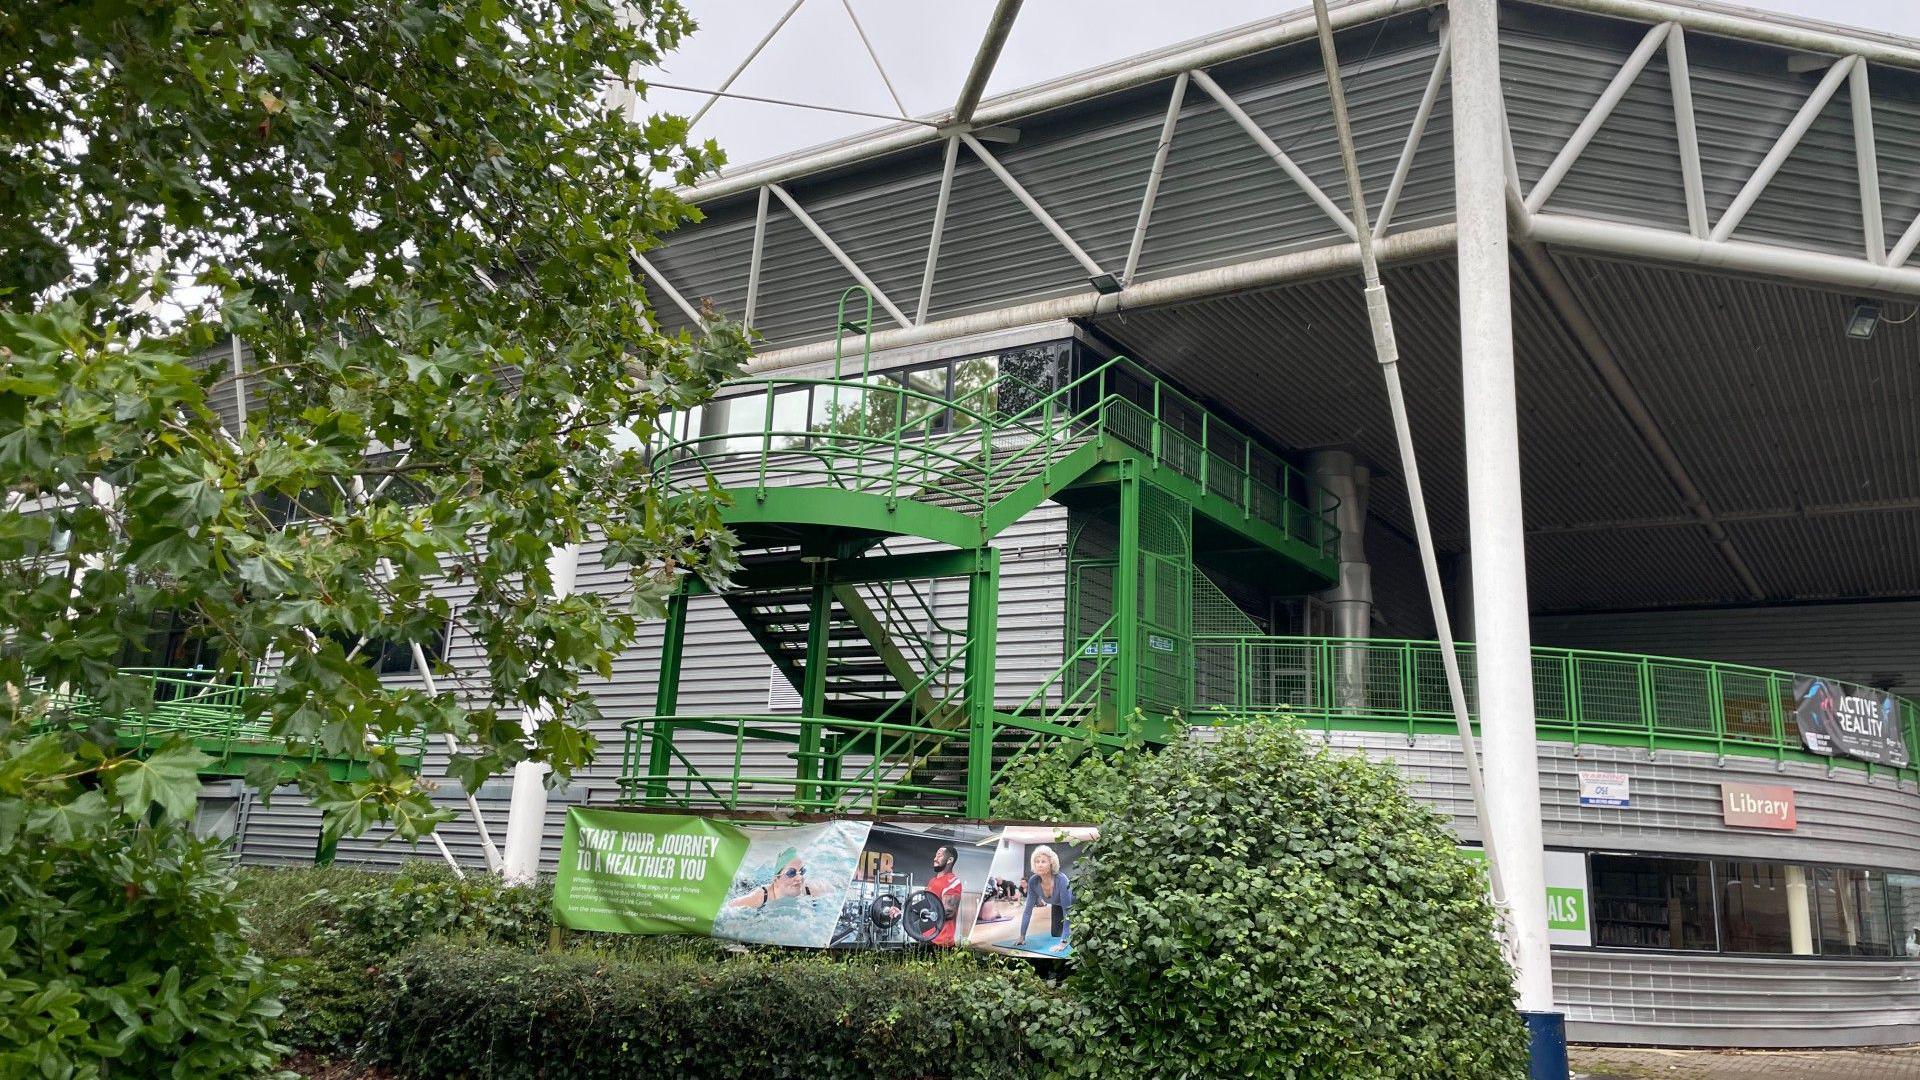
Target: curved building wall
<point>1707,998</point>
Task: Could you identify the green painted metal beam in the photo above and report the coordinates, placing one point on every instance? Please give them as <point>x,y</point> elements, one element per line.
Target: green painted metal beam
<point>830,511</point>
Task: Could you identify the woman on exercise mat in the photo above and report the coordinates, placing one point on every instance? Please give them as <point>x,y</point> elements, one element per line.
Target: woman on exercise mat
<point>1046,885</point>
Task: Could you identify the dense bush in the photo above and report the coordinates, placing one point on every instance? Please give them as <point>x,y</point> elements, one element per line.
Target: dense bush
<point>122,952</point>
<point>1262,907</point>
<point>503,1014</point>
<point>338,929</point>
<point>1067,783</point>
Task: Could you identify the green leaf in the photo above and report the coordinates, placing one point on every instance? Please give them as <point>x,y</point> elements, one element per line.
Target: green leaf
<point>169,778</point>
<point>76,819</point>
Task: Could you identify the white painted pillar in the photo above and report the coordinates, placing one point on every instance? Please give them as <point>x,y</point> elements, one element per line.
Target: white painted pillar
<point>1504,655</point>
<point>527,812</point>
<point>1799,911</point>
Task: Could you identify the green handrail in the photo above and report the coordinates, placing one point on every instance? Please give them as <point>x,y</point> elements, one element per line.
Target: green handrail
<point>1584,696</point>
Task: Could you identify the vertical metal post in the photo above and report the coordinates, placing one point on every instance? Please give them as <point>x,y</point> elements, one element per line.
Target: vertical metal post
<point>527,809</point>
<point>753,261</point>
<point>1503,655</point>
<point>813,691</point>
<point>1126,600</point>
<point>983,623</point>
<point>666,696</point>
<point>939,231</point>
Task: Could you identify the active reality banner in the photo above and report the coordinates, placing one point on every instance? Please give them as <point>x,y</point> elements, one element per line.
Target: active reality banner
<point>840,884</point>
<point>1855,721</point>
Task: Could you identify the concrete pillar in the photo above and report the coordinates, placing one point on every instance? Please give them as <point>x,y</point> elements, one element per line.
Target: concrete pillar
<point>527,810</point>
<point>1351,600</point>
<point>1504,654</point>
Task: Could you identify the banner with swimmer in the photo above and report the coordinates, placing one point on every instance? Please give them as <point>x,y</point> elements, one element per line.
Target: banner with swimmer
<point>839,884</point>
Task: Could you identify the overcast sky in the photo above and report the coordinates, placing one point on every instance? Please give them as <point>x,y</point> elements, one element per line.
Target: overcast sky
<point>926,45</point>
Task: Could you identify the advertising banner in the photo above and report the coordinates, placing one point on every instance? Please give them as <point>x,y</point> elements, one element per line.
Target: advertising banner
<point>1853,721</point>
<point>1566,883</point>
<point>844,884</point>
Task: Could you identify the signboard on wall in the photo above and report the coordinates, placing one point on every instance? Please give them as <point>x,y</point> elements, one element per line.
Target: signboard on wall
<point>1758,806</point>
<point>840,884</point>
<point>1566,881</point>
<point>1605,789</point>
<point>1849,720</point>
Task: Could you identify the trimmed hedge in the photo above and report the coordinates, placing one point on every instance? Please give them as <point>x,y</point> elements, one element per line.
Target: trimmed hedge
<point>504,1014</point>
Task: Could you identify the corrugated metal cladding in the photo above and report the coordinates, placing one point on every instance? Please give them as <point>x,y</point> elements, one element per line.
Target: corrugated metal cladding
<point>1877,644</point>
<point>725,672</point>
<point>1555,64</point>
<point>1222,200</point>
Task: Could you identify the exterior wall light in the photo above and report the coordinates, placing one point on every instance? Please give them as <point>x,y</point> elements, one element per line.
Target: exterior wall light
<point>1863,320</point>
<point>1105,284</point>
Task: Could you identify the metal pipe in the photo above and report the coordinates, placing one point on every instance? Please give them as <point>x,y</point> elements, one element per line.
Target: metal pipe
<point>875,57</point>
<point>845,260</point>
<point>1273,150</point>
<point>753,260</point>
<point>1782,147</point>
<point>735,73</point>
<point>1904,248</point>
<point>1590,124</point>
<point>1867,163</point>
<point>1790,264</point>
<point>994,40</point>
<point>1503,655</point>
<point>1680,81</point>
<point>673,294</point>
<point>1160,152</point>
<point>1430,242</point>
<point>1606,367</point>
<point>1404,167</point>
<point>1033,206</point>
<point>1745,24</point>
<point>527,809</point>
<point>939,231</point>
<point>239,387</point>
<point>791,104</point>
<point>1124,75</point>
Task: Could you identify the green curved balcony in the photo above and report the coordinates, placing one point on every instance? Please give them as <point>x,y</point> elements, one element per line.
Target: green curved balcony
<point>1580,696</point>
<point>213,711</point>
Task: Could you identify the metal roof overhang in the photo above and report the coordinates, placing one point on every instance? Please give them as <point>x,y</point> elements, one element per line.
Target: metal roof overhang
<point>1696,194</point>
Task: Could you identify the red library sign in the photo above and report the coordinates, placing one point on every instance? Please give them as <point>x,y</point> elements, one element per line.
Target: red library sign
<point>1757,806</point>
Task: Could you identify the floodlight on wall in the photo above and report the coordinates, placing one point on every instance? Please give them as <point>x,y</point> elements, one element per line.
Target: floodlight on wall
<point>1863,320</point>
<point>1105,284</point>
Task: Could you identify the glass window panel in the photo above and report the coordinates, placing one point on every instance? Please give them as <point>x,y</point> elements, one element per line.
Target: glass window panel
<point>933,383</point>
<point>1643,903</point>
<point>851,407</point>
<point>1903,911</point>
<point>790,413</point>
<point>974,387</point>
<point>1759,906</point>
<point>1853,912</point>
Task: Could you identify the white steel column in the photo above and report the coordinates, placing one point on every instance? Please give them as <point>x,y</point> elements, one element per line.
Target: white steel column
<point>1504,656</point>
<point>527,812</point>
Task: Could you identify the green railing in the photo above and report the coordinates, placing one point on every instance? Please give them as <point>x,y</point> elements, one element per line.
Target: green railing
<point>756,763</point>
<point>209,708</point>
<point>1579,696</point>
<point>969,451</point>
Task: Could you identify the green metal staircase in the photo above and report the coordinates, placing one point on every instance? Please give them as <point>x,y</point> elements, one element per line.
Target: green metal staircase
<point>847,507</point>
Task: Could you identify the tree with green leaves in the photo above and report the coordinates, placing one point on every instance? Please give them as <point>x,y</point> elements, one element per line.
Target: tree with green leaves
<point>422,219</point>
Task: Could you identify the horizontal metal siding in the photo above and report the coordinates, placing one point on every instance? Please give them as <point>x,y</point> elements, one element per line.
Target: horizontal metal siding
<point>1843,817</point>
<point>1674,1000</point>
<point>1873,643</point>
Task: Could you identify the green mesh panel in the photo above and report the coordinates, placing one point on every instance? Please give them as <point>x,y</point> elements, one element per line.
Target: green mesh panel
<point>1744,698</point>
<point>1609,693</point>
<point>1682,698</point>
<point>1165,648</point>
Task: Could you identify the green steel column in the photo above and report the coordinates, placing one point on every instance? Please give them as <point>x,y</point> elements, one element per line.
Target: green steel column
<point>666,695</point>
<point>813,689</point>
<point>1126,600</point>
<point>983,624</point>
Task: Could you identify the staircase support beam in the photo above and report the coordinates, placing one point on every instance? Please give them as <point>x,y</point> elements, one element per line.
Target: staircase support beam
<point>666,695</point>
<point>813,692</point>
<point>983,622</point>
<point>1126,599</point>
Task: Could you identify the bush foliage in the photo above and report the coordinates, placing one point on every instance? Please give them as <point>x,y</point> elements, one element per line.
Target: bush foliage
<point>1264,907</point>
<point>504,1014</point>
<point>123,953</point>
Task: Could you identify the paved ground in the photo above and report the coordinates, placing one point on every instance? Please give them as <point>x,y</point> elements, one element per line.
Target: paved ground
<point>1605,1063</point>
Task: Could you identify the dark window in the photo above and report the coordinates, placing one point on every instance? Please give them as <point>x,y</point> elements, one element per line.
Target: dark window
<point>1853,912</point>
<point>1903,911</point>
<point>1644,903</point>
<point>1758,903</point>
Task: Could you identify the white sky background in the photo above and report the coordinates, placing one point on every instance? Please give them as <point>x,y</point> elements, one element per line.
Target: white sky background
<point>926,46</point>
